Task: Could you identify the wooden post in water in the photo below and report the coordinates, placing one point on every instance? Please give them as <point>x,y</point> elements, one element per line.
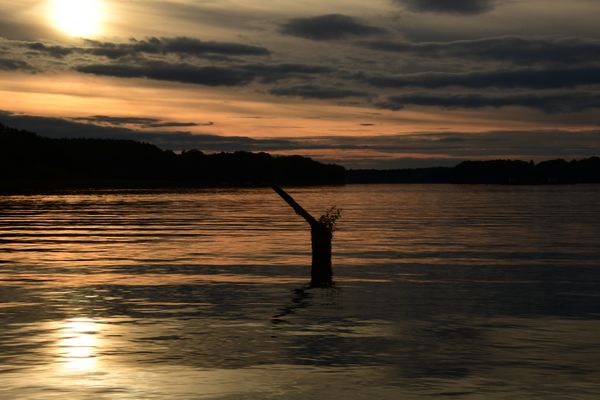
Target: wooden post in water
<point>320,273</point>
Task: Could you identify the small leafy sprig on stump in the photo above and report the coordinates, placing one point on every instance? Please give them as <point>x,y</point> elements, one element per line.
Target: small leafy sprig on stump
<point>329,219</point>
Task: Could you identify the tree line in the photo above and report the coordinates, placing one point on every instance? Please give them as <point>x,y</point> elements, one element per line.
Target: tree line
<point>31,161</point>
<point>512,172</point>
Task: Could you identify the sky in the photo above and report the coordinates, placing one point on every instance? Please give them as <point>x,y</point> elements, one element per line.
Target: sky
<point>378,84</point>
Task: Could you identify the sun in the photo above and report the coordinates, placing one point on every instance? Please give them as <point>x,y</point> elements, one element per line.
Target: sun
<point>82,18</point>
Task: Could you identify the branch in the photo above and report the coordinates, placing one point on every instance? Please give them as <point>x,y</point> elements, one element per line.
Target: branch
<point>297,207</point>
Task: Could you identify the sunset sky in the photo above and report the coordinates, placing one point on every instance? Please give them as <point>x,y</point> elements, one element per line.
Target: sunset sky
<point>384,83</point>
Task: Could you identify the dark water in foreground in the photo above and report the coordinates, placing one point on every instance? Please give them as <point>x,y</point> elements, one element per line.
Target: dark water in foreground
<point>466,292</point>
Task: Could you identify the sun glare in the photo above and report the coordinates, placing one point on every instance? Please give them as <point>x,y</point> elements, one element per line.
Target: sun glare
<point>81,18</point>
<point>79,344</point>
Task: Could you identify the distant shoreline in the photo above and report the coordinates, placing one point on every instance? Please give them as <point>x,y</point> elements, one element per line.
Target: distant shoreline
<point>33,164</point>
<point>501,172</point>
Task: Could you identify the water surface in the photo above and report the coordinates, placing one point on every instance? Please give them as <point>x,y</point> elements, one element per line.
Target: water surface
<point>469,292</point>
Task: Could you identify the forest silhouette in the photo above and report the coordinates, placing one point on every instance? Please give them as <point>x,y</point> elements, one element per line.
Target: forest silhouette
<point>507,172</point>
<point>29,162</point>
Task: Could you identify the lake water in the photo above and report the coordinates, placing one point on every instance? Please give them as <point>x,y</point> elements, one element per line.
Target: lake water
<point>467,292</point>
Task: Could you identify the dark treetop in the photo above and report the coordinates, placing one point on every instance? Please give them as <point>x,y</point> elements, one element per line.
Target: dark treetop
<point>31,162</point>
<point>492,172</point>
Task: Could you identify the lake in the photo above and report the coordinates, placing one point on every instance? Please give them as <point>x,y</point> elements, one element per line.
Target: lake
<point>466,292</point>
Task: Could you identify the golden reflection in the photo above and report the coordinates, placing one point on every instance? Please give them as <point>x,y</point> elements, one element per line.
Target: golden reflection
<point>77,17</point>
<point>78,344</point>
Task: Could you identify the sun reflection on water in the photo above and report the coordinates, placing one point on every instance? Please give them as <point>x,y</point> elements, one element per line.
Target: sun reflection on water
<point>78,345</point>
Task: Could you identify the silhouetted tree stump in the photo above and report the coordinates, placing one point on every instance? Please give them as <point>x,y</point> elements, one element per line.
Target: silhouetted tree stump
<point>321,272</point>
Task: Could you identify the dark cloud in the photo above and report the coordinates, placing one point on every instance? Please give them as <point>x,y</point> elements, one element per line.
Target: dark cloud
<point>151,59</point>
<point>118,120</point>
<point>211,76</point>
<point>181,46</point>
<point>538,144</point>
<point>449,6</point>
<point>69,128</point>
<point>506,79</point>
<point>9,64</point>
<point>328,27</point>
<point>549,103</point>
<point>139,121</point>
<point>316,92</point>
<point>449,148</point>
<point>190,46</point>
<point>51,50</point>
<point>182,72</point>
<point>176,124</point>
<point>516,50</point>
<point>268,73</point>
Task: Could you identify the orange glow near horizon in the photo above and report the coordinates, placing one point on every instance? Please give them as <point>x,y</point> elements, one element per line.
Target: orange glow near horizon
<point>68,95</point>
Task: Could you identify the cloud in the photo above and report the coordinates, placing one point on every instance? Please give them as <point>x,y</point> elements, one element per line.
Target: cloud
<point>506,79</point>
<point>51,50</point>
<point>180,46</point>
<point>517,50</point>
<point>78,128</point>
<point>239,75</point>
<point>538,144</point>
<point>152,59</point>
<point>549,103</point>
<point>316,92</point>
<point>268,73</point>
<point>328,27</point>
<point>448,149</point>
<point>176,124</point>
<point>139,121</point>
<point>182,72</point>
<point>183,46</point>
<point>449,6</point>
<point>9,64</point>
<point>106,119</point>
